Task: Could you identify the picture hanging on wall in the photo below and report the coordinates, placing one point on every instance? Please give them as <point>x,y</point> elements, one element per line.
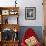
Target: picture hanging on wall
<point>30,13</point>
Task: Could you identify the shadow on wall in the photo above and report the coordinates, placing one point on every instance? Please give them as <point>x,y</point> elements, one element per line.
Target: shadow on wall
<point>37,29</point>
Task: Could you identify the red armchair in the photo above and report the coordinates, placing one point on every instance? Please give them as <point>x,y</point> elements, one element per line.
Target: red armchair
<point>29,34</point>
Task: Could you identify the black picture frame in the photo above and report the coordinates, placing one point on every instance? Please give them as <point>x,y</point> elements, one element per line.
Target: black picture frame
<point>30,13</point>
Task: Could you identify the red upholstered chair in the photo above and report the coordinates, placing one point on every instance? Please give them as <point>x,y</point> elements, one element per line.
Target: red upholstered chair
<point>29,33</point>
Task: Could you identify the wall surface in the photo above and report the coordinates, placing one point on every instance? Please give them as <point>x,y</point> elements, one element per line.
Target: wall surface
<point>39,12</point>
<point>26,3</point>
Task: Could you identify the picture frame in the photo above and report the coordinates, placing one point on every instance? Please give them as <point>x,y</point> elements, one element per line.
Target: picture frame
<point>13,12</point>
<point>30,13</point>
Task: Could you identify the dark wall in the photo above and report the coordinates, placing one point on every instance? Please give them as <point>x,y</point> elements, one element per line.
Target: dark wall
<point>37,29</point>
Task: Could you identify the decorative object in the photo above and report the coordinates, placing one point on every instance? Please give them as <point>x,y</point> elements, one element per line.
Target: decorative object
<point>15,3</point>
<point>15,30</point>
<point>15,37</point>
<point>7,34</point>
<point>30,13</point>
<point>5,12</point>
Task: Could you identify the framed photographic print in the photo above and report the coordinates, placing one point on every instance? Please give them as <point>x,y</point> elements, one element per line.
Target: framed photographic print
<point>30,13</point>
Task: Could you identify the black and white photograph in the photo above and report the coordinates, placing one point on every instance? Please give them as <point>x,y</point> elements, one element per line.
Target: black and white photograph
<point>30,13</point>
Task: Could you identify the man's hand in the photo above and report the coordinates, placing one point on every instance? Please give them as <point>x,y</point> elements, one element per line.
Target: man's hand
<point>31,41</point>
